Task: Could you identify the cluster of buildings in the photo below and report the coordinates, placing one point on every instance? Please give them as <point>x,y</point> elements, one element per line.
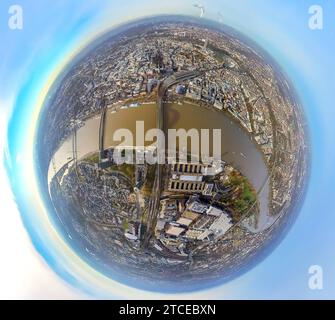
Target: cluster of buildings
<point>106,199</point>
<point>181,224</point>
<point>187,217</point>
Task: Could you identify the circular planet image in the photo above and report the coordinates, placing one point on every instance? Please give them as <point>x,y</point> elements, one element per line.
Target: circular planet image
<point>172,154</point>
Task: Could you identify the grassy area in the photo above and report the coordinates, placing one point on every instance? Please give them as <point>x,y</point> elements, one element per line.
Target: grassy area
<point>127,169</point>
<point>125,225</point>
<point>246,195</point>
<point>220,55</point>
<point>93,158</point>
<point>150,178</point>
